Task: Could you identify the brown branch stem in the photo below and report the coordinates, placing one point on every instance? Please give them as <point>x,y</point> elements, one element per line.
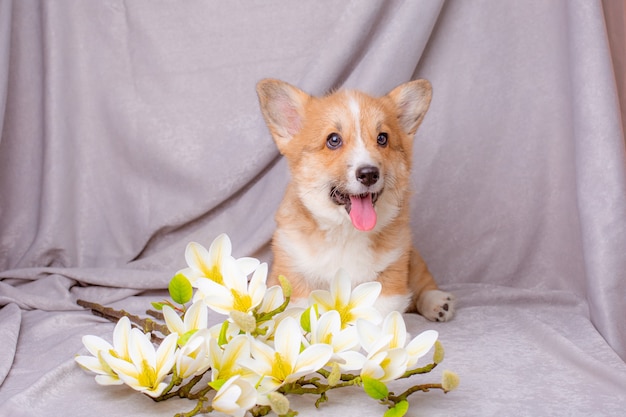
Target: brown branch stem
<point>114,315</point>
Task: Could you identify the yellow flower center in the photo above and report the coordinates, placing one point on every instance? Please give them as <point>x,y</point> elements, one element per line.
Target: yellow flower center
<point>385,362</point>
<point>147,376</point>
<point>280,368</point>
<point>214,273</point>
<point>242,302</point>
<point>345,314</point>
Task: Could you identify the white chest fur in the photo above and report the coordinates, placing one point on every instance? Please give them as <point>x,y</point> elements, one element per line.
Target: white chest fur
<point>319,259</point>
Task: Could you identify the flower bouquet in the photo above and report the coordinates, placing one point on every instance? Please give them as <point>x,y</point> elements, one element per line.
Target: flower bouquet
<point>265,349</point>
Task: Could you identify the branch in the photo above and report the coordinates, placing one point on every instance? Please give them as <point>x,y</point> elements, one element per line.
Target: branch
<point>424,388</point>
<point>198,409</point>
<point>114,315</point>
<point>423,370</point>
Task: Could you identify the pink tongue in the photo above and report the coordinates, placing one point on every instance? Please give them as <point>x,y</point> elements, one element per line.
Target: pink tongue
<point>362,212</point>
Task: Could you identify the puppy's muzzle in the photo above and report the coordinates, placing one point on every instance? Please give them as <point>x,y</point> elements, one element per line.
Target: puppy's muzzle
<point>367,175</point>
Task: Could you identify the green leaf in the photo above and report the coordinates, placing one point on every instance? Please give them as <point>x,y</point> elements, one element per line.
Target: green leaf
<point>305,318</point>
<point>221,340</point>
<point>182,341</point>
<point>375,388</point>
<point>398,410</point>
<point>180,289</point>
<point>157,306</point>
<point>217,384</point>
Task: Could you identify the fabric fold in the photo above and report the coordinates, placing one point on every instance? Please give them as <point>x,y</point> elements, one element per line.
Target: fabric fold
<point>10,322</point>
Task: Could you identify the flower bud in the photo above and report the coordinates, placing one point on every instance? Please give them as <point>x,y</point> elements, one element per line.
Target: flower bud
<point>335,375</point>
<point>449,380</point>
<point>244,321</point>
<point>285,285</point>
<point>278,402</point>
<point>439,353</point>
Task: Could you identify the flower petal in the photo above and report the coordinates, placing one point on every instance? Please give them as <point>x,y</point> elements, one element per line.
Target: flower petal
<point>347,339</point>
<point>91,363</point>
<point>395,364</point>
<point>420,345</point>
<point>95,344</point>
<point>341,288</point>
<point>173,321</point>
<point>233,277</point>
<point>257,287</point>
<point>328,323</point>
<point>121,335</point>
<point>196,317</point>
<point>366,294</point>
<point>237,349</point>
<point>272,300</point>
<point>197,257</point>
<point>262,353</point>
<point>220,248</point>
<point>323,299</point>
<point>287,340</point>
<point>310,360</point>
<point>166,356</point>
<point>368,334</point>
<point>108,380</point>
<point>235,397</point>
<point>125,370</point>
<point>351,361</point>
<point>395,326</point>
<point>156,391</point>
<point>367,313</point>
<point>140,348</point>
<point>247,265</point>
<point>372,367</point>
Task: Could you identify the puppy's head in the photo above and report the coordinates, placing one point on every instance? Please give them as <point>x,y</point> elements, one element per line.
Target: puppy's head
<point>349,153</point>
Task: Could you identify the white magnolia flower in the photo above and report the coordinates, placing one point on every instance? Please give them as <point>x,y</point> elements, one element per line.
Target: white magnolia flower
<point>193,358</point>
<point>196,318</point>
<point>235,293</point>
<point>225,361</point>
<point>210,264</point>
<point>96,345</point>
<point>351,304</point>
<point>327,329</point>
<point>386,365</point>
<point>285,363</point>
<point>392,334</point>
<point>235,397</point>
<point>147,367</point>
<point>273,299</point>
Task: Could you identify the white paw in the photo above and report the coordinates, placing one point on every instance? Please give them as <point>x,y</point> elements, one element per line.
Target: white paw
<point>436,305</point>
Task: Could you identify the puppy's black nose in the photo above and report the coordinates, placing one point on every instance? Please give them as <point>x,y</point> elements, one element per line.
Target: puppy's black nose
<point>367,175</point>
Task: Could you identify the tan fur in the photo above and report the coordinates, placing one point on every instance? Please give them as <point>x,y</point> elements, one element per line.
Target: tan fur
<point>314,236</point>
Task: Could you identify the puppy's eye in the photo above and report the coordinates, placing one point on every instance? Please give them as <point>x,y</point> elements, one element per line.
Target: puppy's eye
<point>382,139</point>
<point>333,141</point>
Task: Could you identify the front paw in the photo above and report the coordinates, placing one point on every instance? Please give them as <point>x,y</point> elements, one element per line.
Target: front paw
<point>436,305</point>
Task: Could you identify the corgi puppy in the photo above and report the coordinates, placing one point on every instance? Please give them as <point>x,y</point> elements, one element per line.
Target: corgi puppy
<point>347,204</point>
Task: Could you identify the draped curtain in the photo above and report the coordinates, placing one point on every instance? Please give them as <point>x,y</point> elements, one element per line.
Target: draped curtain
<point>130,128</point>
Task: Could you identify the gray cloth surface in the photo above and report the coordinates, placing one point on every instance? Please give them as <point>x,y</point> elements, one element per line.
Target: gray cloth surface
<point>130,128</point>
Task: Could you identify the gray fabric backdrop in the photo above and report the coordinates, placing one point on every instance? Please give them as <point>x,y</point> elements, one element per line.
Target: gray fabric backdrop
<point>130,128</point>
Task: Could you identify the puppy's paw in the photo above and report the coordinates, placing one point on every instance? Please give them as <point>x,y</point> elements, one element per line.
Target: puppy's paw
<point>436,305</point>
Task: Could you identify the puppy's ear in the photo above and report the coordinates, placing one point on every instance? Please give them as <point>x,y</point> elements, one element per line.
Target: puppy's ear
<point>282,106</point>
<point>412,100</point>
